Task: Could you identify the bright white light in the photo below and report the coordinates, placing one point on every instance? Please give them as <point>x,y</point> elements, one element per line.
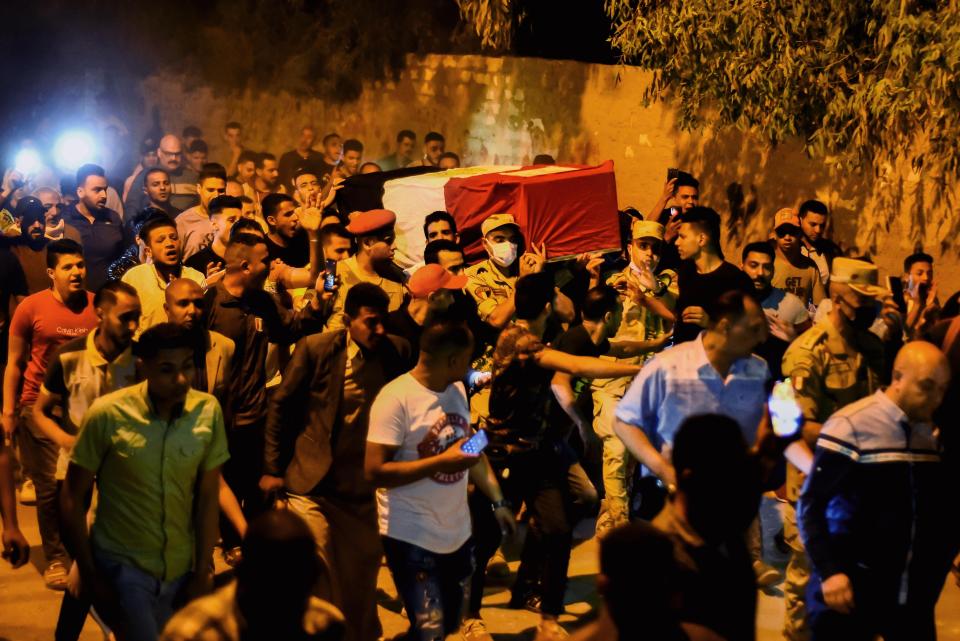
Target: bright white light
<point>73,149</point>
<point>27,162</point>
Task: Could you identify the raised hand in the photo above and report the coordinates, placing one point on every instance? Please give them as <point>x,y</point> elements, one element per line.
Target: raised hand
<point>669,189</point>
<point>310,216</point>
<point>532,261</point>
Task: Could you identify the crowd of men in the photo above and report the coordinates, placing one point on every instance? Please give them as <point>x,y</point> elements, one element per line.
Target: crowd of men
<point>201,355</point>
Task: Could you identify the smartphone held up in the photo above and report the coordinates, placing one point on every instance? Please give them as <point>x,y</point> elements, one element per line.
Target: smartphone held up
<point>330,275</point>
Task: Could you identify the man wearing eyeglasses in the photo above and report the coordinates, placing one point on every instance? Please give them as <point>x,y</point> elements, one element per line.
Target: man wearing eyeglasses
<point>183,179</point>
<point>792,271</point>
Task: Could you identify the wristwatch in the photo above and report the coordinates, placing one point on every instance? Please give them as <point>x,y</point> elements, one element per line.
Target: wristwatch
<point>496,505</point>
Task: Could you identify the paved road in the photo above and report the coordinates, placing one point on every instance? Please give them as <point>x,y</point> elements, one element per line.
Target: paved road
<point>28,611</point>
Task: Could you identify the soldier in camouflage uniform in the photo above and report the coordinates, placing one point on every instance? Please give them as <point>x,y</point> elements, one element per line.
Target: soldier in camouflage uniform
<point>648,302</point>
<point>492,284</point>
<point>832,364</point>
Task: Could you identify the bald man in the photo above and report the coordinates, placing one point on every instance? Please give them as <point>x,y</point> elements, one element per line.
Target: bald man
<point>875,513</point>
<point>184,306</point>
<point>183,179</point>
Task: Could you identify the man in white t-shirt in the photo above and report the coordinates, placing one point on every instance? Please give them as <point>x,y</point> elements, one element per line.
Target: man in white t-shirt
<point>418,425</point>
<point>787,316</point>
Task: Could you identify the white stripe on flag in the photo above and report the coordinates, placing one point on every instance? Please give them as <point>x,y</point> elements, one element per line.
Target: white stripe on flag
<point>412,198</point>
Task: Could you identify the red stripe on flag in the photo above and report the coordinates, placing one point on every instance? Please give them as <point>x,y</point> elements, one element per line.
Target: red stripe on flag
<point>571,212</point>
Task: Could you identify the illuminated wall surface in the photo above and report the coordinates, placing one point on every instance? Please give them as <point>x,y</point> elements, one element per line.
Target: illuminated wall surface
<point>506,110</point>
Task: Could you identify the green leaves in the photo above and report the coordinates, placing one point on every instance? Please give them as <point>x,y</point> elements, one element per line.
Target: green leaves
<point>861,81</point>
<point>867,85</point>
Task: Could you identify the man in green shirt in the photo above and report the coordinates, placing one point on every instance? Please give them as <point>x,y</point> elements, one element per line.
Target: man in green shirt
<point>155,450</point>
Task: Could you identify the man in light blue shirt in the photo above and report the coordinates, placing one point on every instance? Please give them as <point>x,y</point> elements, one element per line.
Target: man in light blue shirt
<point>716,373</point>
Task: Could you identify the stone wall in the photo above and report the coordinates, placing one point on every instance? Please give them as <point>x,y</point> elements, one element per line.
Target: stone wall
<point>506,110</point>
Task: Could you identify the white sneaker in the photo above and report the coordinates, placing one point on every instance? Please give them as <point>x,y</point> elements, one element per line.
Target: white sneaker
<point>550,630</point>
<point>28,493</point>
<point>474,630</point>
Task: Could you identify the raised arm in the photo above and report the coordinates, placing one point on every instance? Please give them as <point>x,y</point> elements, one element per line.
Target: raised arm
<point>628,348</point>
<point>669,188</point>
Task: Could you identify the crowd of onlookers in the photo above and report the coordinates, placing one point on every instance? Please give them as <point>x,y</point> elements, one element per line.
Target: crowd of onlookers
<point>203,355</point>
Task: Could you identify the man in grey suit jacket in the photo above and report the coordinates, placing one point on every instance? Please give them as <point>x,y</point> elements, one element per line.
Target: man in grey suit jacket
<point>315,444</point>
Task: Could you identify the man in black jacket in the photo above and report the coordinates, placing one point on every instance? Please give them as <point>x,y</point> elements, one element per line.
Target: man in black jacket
<point>873,514</point>
<point>315,444</point>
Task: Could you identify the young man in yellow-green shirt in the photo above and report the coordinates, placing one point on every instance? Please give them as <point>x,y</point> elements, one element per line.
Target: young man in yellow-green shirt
<point>155,450</point>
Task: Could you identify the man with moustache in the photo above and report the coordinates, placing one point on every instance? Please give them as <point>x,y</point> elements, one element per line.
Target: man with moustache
<point>376,241</point>
<point>403,155</point>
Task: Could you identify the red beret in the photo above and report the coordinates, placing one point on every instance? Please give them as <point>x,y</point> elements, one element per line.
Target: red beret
<point>365,222</point>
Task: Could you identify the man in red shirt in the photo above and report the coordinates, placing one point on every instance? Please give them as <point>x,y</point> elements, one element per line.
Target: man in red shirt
<point>43,322</point>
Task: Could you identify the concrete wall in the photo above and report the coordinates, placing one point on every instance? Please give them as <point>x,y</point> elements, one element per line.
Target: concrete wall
<point>506,110</point>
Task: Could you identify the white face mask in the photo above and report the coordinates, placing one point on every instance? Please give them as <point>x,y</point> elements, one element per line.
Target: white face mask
<point>503,253</point>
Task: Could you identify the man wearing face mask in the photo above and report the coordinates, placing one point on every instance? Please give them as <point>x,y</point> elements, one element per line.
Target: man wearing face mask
<point>832,364</point>
<point>647,303</point>
<point>492,282</point>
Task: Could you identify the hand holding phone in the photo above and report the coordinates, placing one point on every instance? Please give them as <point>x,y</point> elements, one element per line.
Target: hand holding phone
<point>330,276</point>
<point>911,287</point>
<point>785,413</point>
<point>475,444</point>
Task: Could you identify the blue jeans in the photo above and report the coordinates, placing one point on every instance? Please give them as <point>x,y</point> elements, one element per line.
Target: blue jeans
<point>145,602</point>
<point>433,587</point>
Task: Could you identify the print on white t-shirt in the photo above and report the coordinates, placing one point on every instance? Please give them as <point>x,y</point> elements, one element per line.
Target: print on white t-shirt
<point>448,429</point>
